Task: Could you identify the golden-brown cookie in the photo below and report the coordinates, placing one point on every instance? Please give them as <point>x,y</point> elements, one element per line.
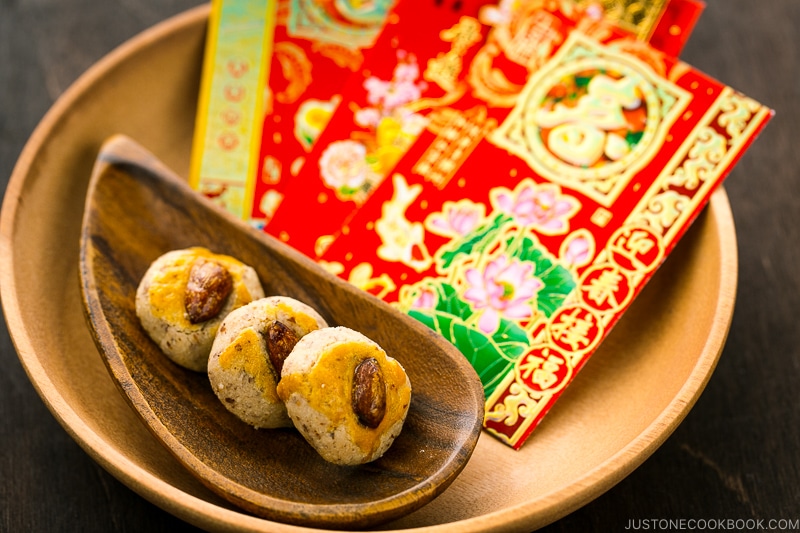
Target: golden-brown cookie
<point>248,353</point>
<point>345,395</point>
<point>183,297</point>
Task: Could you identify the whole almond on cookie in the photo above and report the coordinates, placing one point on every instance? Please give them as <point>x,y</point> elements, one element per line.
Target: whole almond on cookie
<point>209,285</point>
<point>369,393</point>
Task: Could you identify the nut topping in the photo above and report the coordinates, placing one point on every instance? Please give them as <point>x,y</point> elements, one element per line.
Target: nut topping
<point>369,393</point>
<point>280,343</point>
<point>209,285</point>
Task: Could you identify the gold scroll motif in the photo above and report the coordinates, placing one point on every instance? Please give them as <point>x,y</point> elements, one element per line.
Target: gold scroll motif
<point>664,209</point>
<point>488,82</point>
<point>344,57</point>
<point>736,112</point>
<point>457,135</point>
<point>705,154</point>
<point>296,69</point>
<point>517,403</point>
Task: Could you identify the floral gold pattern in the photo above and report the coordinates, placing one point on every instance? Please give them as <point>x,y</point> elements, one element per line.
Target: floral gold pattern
<point>703,156</point>
<point>457,136</point>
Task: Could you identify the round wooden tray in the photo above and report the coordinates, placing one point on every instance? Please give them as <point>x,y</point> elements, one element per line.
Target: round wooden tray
<point>625,402</point>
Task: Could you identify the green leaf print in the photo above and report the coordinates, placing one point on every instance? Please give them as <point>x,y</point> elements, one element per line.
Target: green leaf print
<point>449,302</point>
<point>581,82</point>
<point>477,239</point>
<point>558,281</point>
<point>344,190</point>
<point>492,356</point>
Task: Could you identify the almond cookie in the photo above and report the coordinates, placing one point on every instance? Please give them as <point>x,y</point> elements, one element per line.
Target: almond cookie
<point>247,356</point>
<point>183,297</point>
<point>345,395</point>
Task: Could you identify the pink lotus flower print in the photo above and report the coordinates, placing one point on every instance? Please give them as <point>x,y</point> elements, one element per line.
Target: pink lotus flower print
<point>369,117</point>
<point>541,206</point>
<point>503,289</point>
<point>456,218</point>
<point>578,249</point>
<point>500,15</point>
<point>390,94</point>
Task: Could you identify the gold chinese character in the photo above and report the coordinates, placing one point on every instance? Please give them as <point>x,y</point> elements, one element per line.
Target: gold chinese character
<point>422,168</point>
<point>640,242</point>
<point>572,330</point>
<point>541,370</point>
<point>603,289</point>
<point>635,249</point>
<point>536,40</point>
<point>545,376</point>
<point>636,16</point>
<point>440,145</point>
<point>447,165</point>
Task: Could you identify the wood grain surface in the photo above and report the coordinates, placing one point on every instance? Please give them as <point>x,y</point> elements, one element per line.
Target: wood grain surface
<point>734,457</point>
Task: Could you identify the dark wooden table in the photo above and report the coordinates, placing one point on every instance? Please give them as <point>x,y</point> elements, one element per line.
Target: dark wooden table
<point>737,454</point>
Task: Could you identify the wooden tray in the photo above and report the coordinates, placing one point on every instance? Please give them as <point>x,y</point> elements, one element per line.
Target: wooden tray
<point>626,401</point>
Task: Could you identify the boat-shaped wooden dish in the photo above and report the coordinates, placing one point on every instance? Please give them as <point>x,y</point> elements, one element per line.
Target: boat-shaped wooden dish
<point>137,210</point>
<point>624,403</point>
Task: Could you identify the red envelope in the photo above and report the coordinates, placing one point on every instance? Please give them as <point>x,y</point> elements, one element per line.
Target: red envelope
<point>416,68</point>
<point>244,163</point>
<point>311,62</point>
<point>522,234</point>
<point>382,114</point>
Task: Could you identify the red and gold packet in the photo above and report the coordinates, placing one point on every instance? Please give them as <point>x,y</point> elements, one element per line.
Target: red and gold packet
<point>523,233</point>
<point>315,51</point>
<point>382,114</point>
<point>273,73</point>
<point>423,61</point>
<point>271,78</point>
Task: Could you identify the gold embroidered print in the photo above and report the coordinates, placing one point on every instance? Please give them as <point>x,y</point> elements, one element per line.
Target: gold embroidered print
<point>639,17</point>
<point>457,135</point>
<point>591,119</point>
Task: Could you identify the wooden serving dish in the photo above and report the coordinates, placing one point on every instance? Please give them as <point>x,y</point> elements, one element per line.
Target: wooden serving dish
<point>625,402</point>
<point>137,210</point>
